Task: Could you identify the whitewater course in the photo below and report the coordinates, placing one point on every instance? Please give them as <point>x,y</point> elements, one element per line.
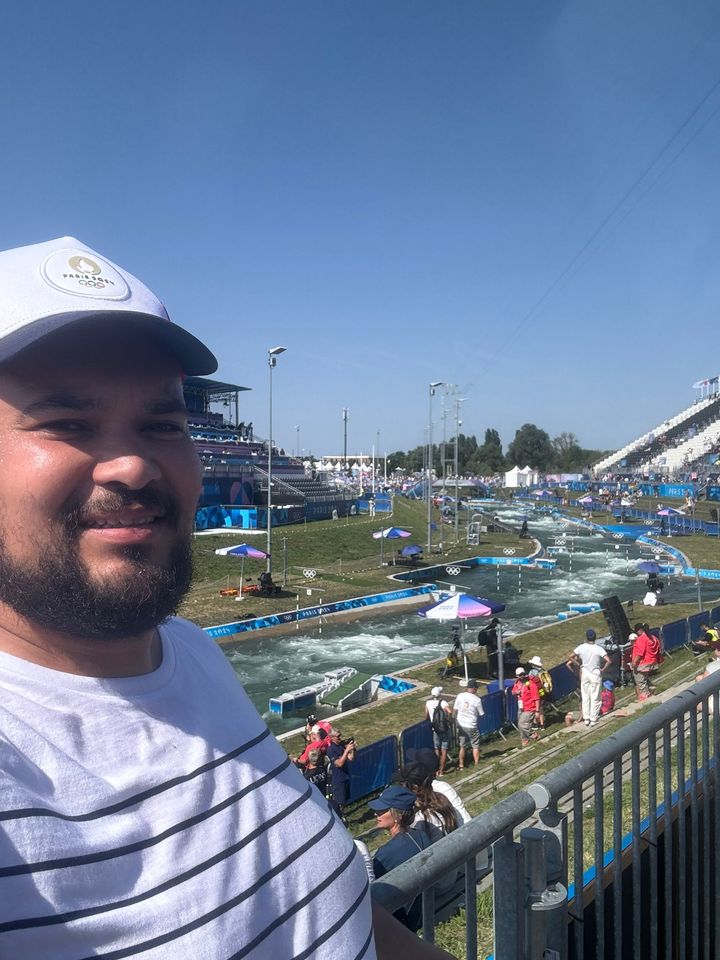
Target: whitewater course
<point>594,567</point>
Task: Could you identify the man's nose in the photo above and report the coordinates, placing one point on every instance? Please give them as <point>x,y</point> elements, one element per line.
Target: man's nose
<point>131,470</point>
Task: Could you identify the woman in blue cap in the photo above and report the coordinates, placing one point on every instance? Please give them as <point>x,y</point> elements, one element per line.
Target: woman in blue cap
<point>395,812</point>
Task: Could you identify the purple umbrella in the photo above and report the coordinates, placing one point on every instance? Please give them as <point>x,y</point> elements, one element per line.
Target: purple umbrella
<point>389,533</point>
<point>242,550</point>
<point>461,606</point>
<point>411,550</point>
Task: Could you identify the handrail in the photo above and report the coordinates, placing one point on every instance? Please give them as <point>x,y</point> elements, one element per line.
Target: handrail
<point>559,782</point>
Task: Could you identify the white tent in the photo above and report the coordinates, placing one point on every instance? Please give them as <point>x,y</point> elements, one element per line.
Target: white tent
<point>516,478</point>
<point>532,475</point>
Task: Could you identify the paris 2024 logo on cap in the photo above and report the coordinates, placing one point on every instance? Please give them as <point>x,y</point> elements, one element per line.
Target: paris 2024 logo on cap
<point>84,275</point>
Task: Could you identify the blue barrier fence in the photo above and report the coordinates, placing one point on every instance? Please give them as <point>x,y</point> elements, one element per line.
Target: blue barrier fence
<point>373,767</point>
<point>492,721</point>
<point>511,707</point>
<point>564,682</point>
<point>416,737</point>
<point>674,635</point>
<point>694,622</point>
<point>714,615</point>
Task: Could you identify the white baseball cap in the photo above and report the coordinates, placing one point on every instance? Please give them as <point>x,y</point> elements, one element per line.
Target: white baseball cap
<point>436,691</point>
<point>47,286</point>
<point>520,672</point>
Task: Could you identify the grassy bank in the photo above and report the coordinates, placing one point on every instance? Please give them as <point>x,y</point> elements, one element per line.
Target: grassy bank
<point>343,554</point>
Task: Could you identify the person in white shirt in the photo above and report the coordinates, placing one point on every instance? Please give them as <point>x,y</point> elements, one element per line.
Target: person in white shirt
<point>590,661</point>
<point>468,709</point>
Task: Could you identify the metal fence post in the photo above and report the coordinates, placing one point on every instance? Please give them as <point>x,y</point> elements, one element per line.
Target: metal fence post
<point>508,899</point>
<point>555,828</point>
<point>545,901</point>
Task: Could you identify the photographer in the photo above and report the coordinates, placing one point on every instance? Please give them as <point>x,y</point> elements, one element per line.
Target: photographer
<point>338,754</point>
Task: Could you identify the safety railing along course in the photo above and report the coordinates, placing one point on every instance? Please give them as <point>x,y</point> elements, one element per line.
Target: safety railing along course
<point>633,822</point>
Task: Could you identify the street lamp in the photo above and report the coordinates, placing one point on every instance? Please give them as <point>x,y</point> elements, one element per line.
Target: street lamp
<point>297,431</point>
<point>345,420</point>
<point>458,424</point>
<point>435,383</point>
<point>272,361</point>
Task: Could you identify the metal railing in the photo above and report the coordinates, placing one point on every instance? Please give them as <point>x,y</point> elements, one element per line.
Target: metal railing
<point>634,821</point>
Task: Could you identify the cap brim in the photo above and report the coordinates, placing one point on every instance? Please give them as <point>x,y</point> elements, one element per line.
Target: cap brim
<point>193,356</point>
<point>379,805</point>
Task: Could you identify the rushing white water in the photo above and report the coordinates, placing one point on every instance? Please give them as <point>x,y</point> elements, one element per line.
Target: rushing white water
<point>594,568</point>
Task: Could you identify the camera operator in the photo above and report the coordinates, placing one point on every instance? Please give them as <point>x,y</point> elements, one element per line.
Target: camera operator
<point>338,754</point>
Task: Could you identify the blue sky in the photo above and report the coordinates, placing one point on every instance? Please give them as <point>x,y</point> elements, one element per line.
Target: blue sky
<point>520,198</point>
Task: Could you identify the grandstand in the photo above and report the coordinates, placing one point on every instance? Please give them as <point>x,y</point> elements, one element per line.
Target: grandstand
<point>680,443</point>
<point>235,460</point>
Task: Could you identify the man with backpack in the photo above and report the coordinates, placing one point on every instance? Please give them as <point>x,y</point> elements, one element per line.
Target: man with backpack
<point>438,712</point>
<point>545,688</point>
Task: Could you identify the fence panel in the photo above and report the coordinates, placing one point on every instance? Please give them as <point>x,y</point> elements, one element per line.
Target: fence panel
<point>694,622</point>
<point>715,615</point>
<point>674,635</point>
<point>373,767</point>
<point>564,682</point>
<point>416,737</point>
<point>511,707</point>
<point>492,721</point>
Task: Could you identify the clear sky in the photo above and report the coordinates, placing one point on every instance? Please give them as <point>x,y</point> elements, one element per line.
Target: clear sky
<point>515,196</point>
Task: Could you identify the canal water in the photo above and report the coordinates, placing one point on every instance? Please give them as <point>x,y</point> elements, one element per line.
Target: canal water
<point>594,567</point>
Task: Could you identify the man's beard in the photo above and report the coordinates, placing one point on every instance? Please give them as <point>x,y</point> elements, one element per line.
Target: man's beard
<point>56,591</point>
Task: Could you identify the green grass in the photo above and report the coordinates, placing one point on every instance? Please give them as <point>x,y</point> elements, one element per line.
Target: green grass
<point>342,552</point>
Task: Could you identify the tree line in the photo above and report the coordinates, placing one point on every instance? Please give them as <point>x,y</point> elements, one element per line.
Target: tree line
<point>531,446</point>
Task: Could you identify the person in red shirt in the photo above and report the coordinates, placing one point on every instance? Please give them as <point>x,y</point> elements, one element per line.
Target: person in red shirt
<point>645,659</point>
<point>527,689</point>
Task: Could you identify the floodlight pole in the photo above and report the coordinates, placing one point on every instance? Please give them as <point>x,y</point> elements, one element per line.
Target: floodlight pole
<point>345,420</point>
<point>458,424</point>
<point>433,385</point>
<point>272,361</point>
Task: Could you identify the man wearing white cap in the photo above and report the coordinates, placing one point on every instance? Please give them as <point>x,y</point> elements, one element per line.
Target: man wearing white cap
<point>438,712</point>
<point>146,809</point>
<point>545,681</point>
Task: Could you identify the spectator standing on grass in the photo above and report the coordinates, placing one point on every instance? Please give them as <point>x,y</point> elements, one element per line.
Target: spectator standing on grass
<point>527,689</point>
<point>590,661</point>
<point>316,772</point>
<point>439,713</point>
<point>338,754</point>
<point>645,659</point>
<point>468,709</point>
<point>545,680</point>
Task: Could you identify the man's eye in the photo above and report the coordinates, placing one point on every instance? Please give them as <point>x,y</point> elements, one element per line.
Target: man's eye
<point>65,426</point>
<point>162,426</point>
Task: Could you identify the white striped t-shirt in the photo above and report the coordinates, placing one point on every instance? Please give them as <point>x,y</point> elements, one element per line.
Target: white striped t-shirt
<point>157,817</point>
